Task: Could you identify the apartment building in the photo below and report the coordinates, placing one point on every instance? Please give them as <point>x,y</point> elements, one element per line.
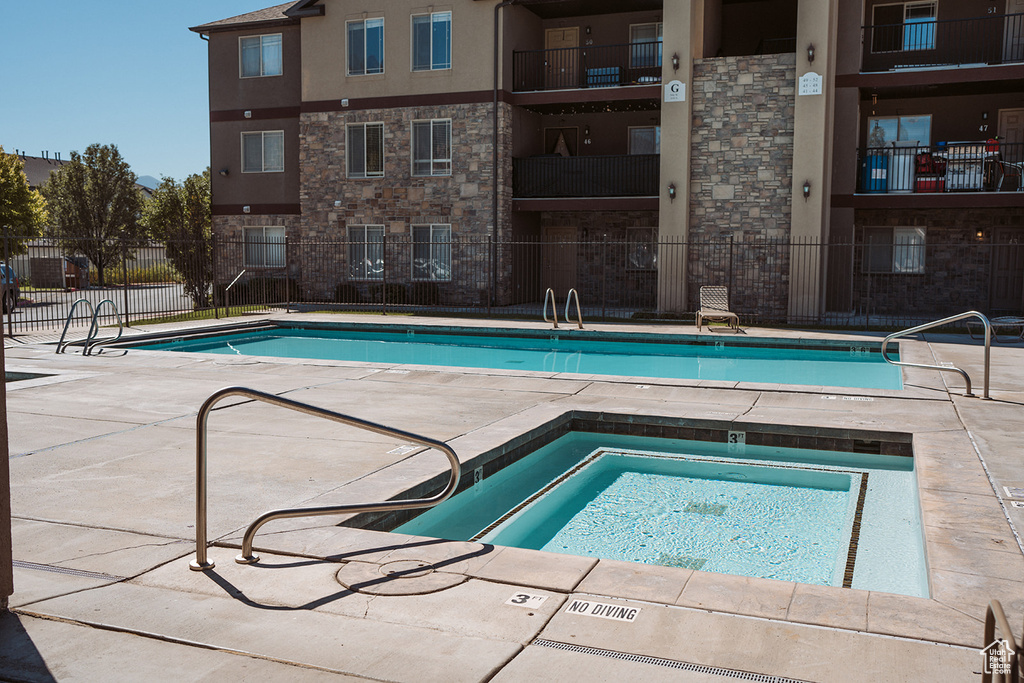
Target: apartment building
<point>494,149</point>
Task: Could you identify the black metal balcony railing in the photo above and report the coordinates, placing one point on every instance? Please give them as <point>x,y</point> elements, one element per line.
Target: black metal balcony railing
<point>593,66</point>
<point>633,175</point>
<point>996,39</point>
<point>902,168</point>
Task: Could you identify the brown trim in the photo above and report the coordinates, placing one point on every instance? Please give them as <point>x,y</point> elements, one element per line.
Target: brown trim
<point>395,101</point>
<point>908,77</point>
<point>624,93</point>
<point>257,114</point>
<point>924,200</point>
<point>588,204</point>
<point>243,26</point>
<point>256,209</point>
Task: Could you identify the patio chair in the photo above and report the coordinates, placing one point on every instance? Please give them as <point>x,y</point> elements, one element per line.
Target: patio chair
<point>1011,174</point>
<point>714,305</point>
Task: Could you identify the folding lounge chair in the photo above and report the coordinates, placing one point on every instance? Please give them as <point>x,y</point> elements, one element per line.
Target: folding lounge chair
<point>714,305</point>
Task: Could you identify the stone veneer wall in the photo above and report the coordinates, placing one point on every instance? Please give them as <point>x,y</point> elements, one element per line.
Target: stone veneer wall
<point>961,272</point>
<point>331,201</point>
<point>229,257</point>
<point>741,163</point>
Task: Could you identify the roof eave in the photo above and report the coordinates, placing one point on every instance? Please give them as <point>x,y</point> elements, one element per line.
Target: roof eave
<point>305,8</point>
<point>266,23</point>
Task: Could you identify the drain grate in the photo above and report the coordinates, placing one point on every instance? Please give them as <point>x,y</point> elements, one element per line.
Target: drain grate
<point>21,564</point>
<point>670,663</point>
<point>681,561</point>
<point>706,509</point>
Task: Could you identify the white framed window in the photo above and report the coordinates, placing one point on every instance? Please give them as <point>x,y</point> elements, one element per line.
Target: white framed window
<point>365,150</point>
<point>903,26</point>
<point>260,56</point>
<point>641,249</point>
<point>432,147</point>
<point>366,252</point>
<point>365,47</point>
<point>894,250</point>
<point>264,247</point>
<point>263,151</point>
<point>432,252</point>
<point>432,41</point>
<point>884,130</point>
<point>645,140</point>
<point>645,44</point>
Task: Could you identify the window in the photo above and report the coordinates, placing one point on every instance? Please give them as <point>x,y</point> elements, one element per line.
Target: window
<point>884,130</point>
<point>432,147</point>
<point>263,151</point>
<point>432,41</point>
<point>645,140</point>
<point>260,55</point>
<point>366,252</point>
<point>903,26</point>
<point>264,247</point>
<point>432,252</point>
<point>645,41</point>
<point>641,249</point>
<point>894,250</point>
<point>365,47</point>
<point>365,150</point>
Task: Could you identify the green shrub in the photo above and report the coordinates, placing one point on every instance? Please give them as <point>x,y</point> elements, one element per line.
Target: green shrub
<point>347,293</point>
<point>395,293</point>
<point>424,294</point>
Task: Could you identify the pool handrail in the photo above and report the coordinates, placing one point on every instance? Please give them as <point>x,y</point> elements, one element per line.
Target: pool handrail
<point>573,294</point>
<point>996,622</point>
<point>61,345</point>
<point>550,296</point>
<point>202,562</point>
<point>938,323</point>
<point>90,341</point>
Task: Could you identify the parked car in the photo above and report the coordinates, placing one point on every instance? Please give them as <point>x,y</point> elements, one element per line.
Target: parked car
<point>10,287</point>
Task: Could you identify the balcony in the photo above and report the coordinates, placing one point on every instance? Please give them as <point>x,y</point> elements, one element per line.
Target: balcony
<point>593,66</point>
<point>909,168</point>
<point>991,40</point>
<point>631,175</point>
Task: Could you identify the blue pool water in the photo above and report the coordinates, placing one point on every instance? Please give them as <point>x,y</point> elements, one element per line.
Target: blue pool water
<point>842,366</point>
<point>776,513</point>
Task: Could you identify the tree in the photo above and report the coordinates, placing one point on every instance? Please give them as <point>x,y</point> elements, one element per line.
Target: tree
<point>22,211</point>
<point>180,216</point>
<point>95,207</point>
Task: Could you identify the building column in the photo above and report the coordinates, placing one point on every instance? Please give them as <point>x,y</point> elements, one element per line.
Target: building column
<point>812,154</point>
<point>682,37</point>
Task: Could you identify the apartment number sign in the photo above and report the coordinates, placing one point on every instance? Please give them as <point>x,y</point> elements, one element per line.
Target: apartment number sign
<point>810,84</point>
<point>675,91</point>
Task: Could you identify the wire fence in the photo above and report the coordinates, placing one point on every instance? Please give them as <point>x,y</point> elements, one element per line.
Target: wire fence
<point>888,279</point>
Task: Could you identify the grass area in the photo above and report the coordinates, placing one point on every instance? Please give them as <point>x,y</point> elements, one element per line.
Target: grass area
<point>207,314</point>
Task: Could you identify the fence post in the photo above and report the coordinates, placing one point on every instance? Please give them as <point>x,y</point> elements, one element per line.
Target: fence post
<point>124,273</point>
<point>384,274</point>
<point>287,279</point>
<point>604,274</point>
<point>490,282</point>
<point>7,252</point>
<point>213,279</point>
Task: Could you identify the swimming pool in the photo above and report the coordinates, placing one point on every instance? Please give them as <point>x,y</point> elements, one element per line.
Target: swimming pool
<point>812,516</point>
<point>584,352</point>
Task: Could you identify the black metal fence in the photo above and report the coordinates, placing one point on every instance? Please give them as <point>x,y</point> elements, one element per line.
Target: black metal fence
<point>888,278</point>
<point>626,175</point>
<point>593,66</point>
<point>907,167</point>
<point>924,41</point>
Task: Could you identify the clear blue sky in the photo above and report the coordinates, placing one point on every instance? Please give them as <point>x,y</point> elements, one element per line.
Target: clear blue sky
<point>123,72</point>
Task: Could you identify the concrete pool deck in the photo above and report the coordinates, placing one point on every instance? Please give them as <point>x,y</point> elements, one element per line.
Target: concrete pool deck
<point>102,458</point>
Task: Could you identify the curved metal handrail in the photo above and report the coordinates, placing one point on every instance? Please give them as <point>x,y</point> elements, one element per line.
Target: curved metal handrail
<point>938,323</point>
<point>579,311</point>
<point>67,323</point>
<point>996,623</point>
<point>90,341</point>
<point>550,296</point>
<point>246,557</point>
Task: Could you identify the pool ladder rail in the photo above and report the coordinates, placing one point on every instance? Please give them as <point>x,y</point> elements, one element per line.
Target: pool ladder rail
<point>202,562</point>
<point>939,323</point>
<point>573,295</point>
<point>1007,649</point>
<point>90,342</point>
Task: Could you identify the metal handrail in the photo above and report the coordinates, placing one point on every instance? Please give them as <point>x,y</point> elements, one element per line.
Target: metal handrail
<point>996,618</point>
<point>90,341</point>
<point>246,557</point>
<point>938,323</point>
<point>550,295</point>
<point>67,323</point>
<point>579,312</point>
